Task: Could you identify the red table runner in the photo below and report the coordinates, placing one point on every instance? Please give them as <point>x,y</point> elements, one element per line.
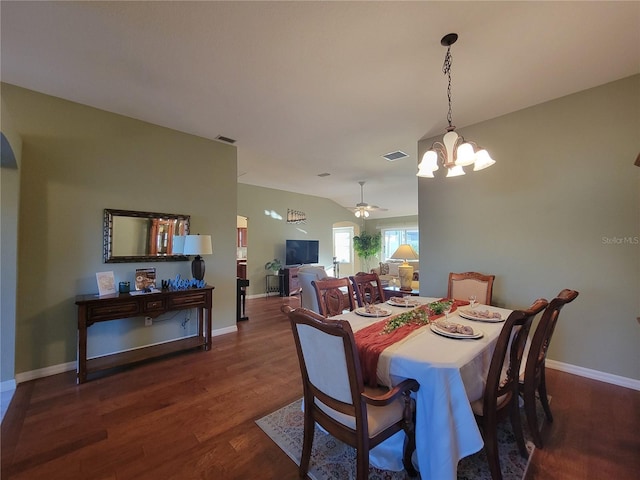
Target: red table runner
<point>371,340</point>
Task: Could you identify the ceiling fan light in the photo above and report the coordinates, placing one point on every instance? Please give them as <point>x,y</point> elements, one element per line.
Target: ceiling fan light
<point>483,160</point>
<point>465,155</point>
<point>366,214</point>
<point>358,213</point>
<point>455,171</point>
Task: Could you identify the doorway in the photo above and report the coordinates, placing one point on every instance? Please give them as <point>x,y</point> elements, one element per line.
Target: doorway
<point>343,250</point>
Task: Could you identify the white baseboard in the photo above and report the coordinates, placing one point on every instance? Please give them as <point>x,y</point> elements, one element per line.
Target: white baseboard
<point>45,372</point>
<point>224,331</point>
<point>561,366</point>
<point>594,374</point>
<point>66,367</point>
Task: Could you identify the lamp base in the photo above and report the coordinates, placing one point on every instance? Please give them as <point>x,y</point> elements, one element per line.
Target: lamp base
<point>406,277</point>
<point>197,268</point>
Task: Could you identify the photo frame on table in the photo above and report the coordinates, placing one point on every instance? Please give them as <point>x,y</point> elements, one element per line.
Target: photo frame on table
<point>145,278</point>
<point>106,283</point>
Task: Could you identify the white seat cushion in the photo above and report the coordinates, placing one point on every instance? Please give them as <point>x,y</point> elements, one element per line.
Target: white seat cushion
<point>379,418</point>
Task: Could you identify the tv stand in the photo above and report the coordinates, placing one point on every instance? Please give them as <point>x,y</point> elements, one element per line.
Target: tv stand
<point>289,283</point>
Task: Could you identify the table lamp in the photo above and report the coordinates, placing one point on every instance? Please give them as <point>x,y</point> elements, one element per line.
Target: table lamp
<point>405,271</point>
<point>197,245</point>
<point>177,246</point>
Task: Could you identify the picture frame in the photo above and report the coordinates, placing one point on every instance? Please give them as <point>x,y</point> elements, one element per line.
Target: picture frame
<point>106,283</point>
<point>145,278</point>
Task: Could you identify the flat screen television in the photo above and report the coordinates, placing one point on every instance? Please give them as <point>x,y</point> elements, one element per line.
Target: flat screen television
<point>301,252</point>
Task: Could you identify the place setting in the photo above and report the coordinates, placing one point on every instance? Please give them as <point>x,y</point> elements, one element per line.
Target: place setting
<point>480,313</point>
<point>373,311</point>
<point>407,301</point>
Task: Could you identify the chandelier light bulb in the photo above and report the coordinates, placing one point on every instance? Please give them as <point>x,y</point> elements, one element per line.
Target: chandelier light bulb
<point>465,155</point>
<point>455,171</point>
<point>483,160</point>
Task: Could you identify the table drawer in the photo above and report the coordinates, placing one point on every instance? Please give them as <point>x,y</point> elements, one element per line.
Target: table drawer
<point>152,305</point>
<point>188,300</point>
<point>115,310</point>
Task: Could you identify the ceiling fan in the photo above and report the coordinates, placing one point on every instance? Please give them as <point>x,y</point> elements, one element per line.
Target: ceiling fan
<point>362,209</point>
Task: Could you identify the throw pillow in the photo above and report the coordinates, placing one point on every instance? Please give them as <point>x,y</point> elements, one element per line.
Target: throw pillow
<point>393,269</point>
<point>384,269</point>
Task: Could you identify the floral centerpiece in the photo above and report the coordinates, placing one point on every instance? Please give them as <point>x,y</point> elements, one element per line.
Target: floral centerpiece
<point>419,316</point>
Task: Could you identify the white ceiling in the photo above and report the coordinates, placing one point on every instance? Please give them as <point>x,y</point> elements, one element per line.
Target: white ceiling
<point>313,87</point>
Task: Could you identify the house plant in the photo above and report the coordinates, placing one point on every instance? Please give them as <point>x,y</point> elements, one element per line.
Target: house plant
<point>274,265</point>
<point>366,246</point>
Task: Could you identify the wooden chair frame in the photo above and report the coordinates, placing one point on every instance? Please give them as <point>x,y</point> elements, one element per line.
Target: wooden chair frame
<point>534,371</point>
<point>360,399</point>
<point>334,295</point>
<point>501,392</point>
<point>471,277</point>
<point>368,288</point>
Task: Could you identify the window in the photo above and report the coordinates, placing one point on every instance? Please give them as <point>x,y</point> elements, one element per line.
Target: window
<point>342,244</point>
<point>392,238</point>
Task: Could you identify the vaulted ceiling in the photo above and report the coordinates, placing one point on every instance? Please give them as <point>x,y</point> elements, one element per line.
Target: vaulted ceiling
<point>317,87</point>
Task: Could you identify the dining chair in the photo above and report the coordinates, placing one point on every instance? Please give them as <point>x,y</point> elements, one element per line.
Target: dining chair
<point>306,274</point>
<point>463,285</point>
<point>334,295</point>
<point>368,288</point>
<point>335,396</point>
<point>533,377</point>
<point>500,396</point>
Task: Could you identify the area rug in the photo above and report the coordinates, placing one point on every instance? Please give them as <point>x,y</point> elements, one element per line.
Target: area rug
<point>332,460</point>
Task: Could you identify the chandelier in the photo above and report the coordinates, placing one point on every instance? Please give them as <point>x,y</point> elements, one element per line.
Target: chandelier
<point>454,152</point>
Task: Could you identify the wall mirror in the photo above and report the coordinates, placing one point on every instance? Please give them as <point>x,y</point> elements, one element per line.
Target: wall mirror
<point>131,236</point>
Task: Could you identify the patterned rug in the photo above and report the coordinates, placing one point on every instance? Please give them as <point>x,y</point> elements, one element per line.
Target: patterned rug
<point>332,459</point>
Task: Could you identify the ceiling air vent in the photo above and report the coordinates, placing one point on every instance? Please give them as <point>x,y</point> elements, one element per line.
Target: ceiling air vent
<point>393,156</point>
<point>225,139</point>
<point>325,174</point>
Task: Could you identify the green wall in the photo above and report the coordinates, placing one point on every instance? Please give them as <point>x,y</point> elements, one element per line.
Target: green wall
<point>266,212</point>
<point>560,209</point>
<point>76,161</point>
<point>9,199</point>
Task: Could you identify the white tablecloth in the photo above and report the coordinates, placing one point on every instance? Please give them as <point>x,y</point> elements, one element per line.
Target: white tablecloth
<point>451,373</point>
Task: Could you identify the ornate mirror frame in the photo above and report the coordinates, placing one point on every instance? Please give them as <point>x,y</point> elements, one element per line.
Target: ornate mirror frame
<point>158,230</point>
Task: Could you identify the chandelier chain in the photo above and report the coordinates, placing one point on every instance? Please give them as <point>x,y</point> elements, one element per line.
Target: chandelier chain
<point>446,69</point>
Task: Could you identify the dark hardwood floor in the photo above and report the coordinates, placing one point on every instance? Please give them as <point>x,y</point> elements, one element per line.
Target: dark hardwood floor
<point>192,416</point>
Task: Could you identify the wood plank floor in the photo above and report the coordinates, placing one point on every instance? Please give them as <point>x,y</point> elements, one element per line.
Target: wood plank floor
<point>192,416</point>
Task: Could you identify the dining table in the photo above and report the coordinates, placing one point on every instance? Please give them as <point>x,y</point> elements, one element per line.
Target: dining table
<point>451,373</point>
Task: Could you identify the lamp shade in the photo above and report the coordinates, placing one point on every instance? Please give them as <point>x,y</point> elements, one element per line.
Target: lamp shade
<point>405,252</point>
<point>197,245</point>
<point>177,245</point>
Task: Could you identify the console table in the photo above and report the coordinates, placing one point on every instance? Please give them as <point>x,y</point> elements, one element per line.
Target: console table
<point>92,309</point>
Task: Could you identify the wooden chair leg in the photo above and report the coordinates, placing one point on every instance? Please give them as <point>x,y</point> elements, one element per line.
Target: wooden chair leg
<point>493,458</point>
<point>362,465</point>
<point>529,396</point>
<point>516,424</point>
<point>307,443</point>
<point>542,391</point>
<point>410,435</point>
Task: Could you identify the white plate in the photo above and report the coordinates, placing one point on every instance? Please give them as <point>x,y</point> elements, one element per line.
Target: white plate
<point>412,303</point>
<point>468,314</point>
<point>444,333</point>
<point>379,313</point>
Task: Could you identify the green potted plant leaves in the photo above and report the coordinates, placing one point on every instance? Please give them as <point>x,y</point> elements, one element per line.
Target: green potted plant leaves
<point>274,265</point>
<point>366,246</point>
